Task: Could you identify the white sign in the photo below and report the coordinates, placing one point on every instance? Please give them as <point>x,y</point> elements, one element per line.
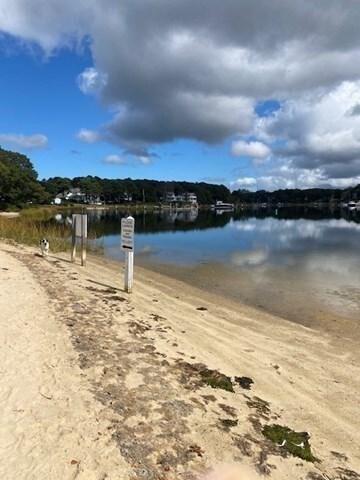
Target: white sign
<point>127,234</point>
<point>80,225</point>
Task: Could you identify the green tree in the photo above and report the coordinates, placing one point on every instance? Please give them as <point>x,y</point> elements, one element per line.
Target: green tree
<point>55,185</point>
<point>18,181</point>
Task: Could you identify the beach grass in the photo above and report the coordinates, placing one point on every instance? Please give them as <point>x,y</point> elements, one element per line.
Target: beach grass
<point>34,224</point>
<point>29,231</point>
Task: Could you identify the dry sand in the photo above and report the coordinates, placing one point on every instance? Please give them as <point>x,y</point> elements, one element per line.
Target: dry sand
<point>99,384</point>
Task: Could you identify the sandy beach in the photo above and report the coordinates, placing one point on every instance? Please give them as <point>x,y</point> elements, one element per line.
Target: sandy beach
<point>100,384</point>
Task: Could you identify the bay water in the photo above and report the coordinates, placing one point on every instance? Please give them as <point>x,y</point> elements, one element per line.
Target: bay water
<point>298,263</point>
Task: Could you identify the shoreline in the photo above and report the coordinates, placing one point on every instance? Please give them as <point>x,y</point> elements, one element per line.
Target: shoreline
<point>138,356</point>
<point>311,315</point>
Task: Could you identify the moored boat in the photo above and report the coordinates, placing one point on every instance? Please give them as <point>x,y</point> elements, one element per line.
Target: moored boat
<point>219,205</point>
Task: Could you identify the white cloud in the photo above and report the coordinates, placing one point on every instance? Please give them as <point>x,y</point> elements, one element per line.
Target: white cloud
<point>172,70</point>
<point>114,160</point>
<point>289,177</point>
<point>317,138</point>
<point>51,24</point>
<point>317,130</point>
<point>144,160</point>
<point>244,182</point>
<point>17,140</point>
<point>91,81</point>
<point>88,136</point>
<point>239,148</point>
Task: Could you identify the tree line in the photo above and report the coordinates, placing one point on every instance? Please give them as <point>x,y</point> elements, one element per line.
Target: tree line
<point>297,196</point>
<point>117,191</point>
<point>19,187</point>
<point>153,191</point>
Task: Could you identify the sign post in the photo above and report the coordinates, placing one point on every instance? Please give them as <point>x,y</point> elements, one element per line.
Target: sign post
<point>79,223</point>
<point>127,244</point>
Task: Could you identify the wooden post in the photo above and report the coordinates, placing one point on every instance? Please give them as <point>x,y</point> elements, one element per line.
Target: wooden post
<point>79,231</point>
<point>127,244</point>
<point>73,249</point>
<point>129,271</point>
<point>83,239</point>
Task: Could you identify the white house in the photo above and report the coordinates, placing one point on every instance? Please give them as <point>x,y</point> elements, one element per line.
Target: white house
<point>182,197</point>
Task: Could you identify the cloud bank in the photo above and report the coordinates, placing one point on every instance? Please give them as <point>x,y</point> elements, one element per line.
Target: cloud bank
<point>196,70</point>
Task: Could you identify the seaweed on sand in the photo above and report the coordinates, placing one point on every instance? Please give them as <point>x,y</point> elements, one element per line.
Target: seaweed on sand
<point>216,380</point>
<point>295,443</point>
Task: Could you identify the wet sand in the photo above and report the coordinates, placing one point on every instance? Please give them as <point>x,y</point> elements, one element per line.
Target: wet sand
<point>318,305</point>
<point>112,381</point>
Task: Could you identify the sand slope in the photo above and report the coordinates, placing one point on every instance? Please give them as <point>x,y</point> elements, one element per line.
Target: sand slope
<point>51,426</point>
<point>88,369</point>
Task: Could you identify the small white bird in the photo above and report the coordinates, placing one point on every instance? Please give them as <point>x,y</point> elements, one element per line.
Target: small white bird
<point>282,444</point>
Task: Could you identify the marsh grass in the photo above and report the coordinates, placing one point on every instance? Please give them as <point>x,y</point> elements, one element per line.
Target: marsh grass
<point>40,213</point>
<point>34,224</point>
<point>29,231</point>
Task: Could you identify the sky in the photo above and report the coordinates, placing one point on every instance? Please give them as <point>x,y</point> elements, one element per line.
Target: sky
<point>250,94</point>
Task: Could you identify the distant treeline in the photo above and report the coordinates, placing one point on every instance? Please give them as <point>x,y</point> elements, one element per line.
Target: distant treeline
<point>297,196</point>
<point>19,186</point>
<point>153,191</point>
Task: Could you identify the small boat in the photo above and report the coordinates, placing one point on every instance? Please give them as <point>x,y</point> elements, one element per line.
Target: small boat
<point>219,205</point>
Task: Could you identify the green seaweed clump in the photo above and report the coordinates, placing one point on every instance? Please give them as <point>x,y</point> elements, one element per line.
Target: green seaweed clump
<point>261,406</point>
<point>295,443</point>
<point>217,380</point>
<point>228,422</point>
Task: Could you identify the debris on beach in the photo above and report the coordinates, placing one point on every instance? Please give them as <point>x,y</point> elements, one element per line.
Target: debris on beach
<point>196,449</point>
<point>244,382</point>
<point>261,406</point>
<point>228,409</point>
<point>295,443</point>
<point>217,380</point>
<point>118,298</point>
<point>227,423</point>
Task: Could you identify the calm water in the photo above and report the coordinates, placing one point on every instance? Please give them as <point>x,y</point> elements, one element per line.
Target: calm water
<point>297,263</point>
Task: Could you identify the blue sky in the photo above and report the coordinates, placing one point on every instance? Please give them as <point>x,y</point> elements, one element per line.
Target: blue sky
<point>169,91</point>
<point>51,102</point>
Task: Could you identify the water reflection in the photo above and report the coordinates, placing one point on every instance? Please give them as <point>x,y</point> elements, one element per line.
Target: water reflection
<point>285,240</point>
<point>241,239</point>
<point>293,262</point>
<point>106,222</point>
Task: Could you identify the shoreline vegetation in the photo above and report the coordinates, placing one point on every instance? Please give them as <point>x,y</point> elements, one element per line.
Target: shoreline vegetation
<point>175,381</point>
<point>30,225</point>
